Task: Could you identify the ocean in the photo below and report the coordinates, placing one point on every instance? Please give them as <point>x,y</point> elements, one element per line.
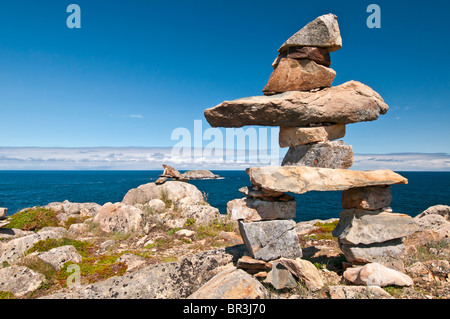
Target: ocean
<point>22,189</point>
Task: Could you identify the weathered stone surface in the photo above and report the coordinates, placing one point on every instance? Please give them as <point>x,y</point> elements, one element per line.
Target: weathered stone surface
<point>432,228</point>
<point>250,209</point>
<point>173,280</point>
<point>68,209</point>
<point>299,180</point>
<point>358,292</point>
<point>172,190</point>
<point>319,55</point>
<point>298,75</point>
<point>386,253</point>
<point>270,240</point>
<point>375,274</point>
<point>368,227</point>
<point>14,249</point>
<point>60,255</point>
<point>350,102</point>
<point>368,198</point>
<point>443,210</point>
<point>231,284</point>
<point>19,280</point>
<point>325,154</point>
<point>305,271</point>
<point>157,205</point>
<point>430,271</point>
<point>120,218</point>
<point>294,136</point>
<point>280,277</point>
<point>132,261</point>
<point>322,32</point>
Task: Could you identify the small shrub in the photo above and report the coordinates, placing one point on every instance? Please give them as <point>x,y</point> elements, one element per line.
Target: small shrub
<point>34,219</point>
<point>6,295</point>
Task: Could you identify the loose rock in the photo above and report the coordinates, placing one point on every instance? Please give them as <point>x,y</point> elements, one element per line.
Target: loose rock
<point>231,284</point>
<point>374,274</point>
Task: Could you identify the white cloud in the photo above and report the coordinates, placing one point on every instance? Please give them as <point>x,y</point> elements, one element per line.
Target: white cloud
<point>149,158</point>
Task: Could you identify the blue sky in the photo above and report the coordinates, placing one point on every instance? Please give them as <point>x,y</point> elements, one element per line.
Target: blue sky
<point>137,70</point>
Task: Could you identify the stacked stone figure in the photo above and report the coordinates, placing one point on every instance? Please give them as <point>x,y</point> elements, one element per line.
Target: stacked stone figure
<point>312,116</point>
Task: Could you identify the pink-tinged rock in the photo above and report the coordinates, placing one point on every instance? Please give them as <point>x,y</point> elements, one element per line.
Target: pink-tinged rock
<point>295,136</point>
<point>298,75</point>
<point>375,274</point>
<point>369,198</point>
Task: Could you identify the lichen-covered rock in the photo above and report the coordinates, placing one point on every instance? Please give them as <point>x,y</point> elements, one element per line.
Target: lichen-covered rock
<point>171,190</point>
<point>19,280</point>
<point>15,248</point>
<point>173,280</point>
<point>270,240</point>
<point>250,209</point>
<point>120,218</point>
<point>333,154</point>
<point>231,284</point>
<point>321,32</point>
<point>368,227</point>
<point>58,256</point>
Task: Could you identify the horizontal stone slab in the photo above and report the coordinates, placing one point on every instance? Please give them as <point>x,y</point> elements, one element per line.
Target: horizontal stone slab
<point>302,179</point>
<point>333,154</point>
<point>270,240</point>
<point>350,102</point>
<point>250,209</point>
<point>295,136</point>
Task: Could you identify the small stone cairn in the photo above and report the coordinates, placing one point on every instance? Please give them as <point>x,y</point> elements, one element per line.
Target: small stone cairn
<point>312,115</point>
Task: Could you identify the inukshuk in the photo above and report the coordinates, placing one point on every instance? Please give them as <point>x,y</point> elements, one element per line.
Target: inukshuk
<point>312,115</point>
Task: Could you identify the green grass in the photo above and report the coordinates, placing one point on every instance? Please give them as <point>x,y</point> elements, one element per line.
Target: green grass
<point>324,230</point>
<point>82,247</point>
<point>34,219</point>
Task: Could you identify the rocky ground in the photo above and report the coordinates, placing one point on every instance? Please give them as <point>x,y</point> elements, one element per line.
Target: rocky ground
<point>165,241</point>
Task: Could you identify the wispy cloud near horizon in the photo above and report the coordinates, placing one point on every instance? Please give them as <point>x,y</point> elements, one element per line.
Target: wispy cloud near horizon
<point>152,158</point>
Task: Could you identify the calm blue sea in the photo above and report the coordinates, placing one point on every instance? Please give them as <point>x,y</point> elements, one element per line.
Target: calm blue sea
<point>21,189</point>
